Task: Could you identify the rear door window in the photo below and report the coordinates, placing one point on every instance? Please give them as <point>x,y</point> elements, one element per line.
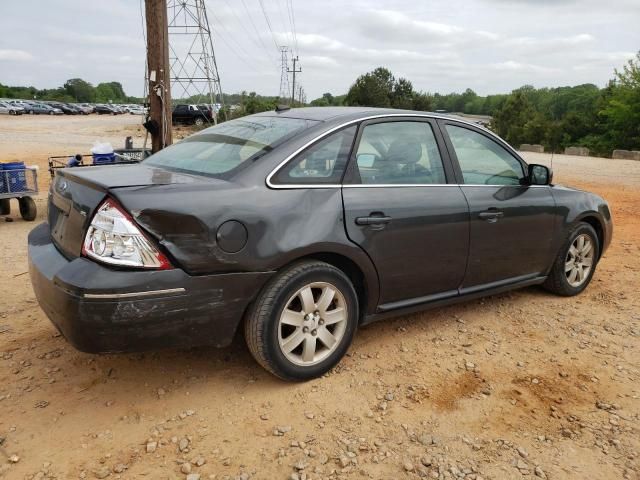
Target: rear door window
<point>399,153</point>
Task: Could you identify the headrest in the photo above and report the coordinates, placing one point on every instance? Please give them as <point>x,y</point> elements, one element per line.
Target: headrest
<point>404,152</point>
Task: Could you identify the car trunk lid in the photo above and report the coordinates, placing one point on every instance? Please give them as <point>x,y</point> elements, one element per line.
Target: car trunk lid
<point>76,193</point>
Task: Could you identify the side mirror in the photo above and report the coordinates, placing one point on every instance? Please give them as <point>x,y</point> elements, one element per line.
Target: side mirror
<point>540,175</point>
<point>366,160</point>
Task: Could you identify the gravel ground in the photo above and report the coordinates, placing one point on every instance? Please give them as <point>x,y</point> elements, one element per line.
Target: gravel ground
<point>519,385</point>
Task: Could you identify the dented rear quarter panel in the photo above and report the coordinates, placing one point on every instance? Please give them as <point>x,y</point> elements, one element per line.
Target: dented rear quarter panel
<point>282,226</point>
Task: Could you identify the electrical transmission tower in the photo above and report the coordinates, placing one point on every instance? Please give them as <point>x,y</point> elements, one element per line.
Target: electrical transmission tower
<point>194,72</point>
<point>284,75</point>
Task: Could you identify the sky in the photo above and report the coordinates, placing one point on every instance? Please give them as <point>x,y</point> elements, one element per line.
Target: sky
<point>490,46</point>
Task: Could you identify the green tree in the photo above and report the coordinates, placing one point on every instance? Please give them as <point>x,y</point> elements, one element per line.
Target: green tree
<point>373,89</point>
<point>422,102</point>
<point>621,113</point>
<point>110,92</point>
<point>402,94</point>
<point>253,103</point>
<point>327,100</point>
<point>510,120</point>
<point>80,90</point>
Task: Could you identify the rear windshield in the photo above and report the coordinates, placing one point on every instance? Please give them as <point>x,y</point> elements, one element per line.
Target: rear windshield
<point>221,150</point>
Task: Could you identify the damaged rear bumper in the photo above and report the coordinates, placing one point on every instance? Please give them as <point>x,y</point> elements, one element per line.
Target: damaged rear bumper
<point>99,309</point>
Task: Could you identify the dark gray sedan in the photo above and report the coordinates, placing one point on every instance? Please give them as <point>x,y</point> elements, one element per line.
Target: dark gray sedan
<point>299,226</point>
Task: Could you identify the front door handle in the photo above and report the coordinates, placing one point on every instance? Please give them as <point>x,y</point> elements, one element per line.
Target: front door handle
<point>491,215</point>
<point>372,219</point>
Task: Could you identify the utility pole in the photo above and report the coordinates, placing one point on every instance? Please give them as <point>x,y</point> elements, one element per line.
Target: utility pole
<point>294,71</point>
<point>159,124</point>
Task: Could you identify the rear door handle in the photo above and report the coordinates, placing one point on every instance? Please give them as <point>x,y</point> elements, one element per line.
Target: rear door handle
<point>373,220</point>
<point>491,215</point>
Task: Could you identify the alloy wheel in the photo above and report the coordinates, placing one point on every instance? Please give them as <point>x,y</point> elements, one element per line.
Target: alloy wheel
<point>579,260</point>
<point>312,324</point>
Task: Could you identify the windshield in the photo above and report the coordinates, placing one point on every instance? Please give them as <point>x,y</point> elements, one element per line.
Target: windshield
<point>218,151</point>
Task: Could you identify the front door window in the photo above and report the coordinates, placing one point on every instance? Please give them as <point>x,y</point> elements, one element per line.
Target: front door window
<point>483,161</point>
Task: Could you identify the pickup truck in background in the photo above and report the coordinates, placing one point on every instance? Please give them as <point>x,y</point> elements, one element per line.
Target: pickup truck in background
<point>192,114</point>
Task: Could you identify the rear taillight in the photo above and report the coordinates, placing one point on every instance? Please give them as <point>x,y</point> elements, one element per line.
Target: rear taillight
<point>114,238</point>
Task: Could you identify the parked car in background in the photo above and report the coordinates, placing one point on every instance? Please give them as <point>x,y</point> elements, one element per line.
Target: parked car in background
<point>80,109</point>
<point>191,115</point>
<point>42,109</point>
<point>9,109</point>
<point>105,110</point>
<point>76,108</point>
<point>137,110</point>
<point>299,226</point>
<point>66,109</point>
<point>18,103</point>
<point>84,108</point>
<point>208,110</point>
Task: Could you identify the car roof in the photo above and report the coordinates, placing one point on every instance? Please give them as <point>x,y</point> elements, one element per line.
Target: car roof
<point>323,114</point>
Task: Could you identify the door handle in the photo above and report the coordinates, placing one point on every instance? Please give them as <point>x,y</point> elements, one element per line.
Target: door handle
<point>491,215</point>
<point>373,220</point>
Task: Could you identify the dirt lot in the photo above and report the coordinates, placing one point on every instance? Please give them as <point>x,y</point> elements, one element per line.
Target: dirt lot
<point>521,385</point>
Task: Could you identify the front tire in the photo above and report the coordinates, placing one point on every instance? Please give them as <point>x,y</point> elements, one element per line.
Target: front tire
<point>303,321</point>
<point>576,262</point>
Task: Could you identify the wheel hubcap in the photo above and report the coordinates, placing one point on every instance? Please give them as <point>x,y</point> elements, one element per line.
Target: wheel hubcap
<point>579,260</point>
<point>312,323</point>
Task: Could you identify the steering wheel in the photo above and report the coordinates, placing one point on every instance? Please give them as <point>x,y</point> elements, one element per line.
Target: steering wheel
<point>498,178</point>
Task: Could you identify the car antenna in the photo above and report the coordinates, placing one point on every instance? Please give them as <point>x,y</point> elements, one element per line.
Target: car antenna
<point>282,108</point>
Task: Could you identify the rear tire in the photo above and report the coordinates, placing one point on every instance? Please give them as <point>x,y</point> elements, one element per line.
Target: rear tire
<point>303,321</point>
<point>575,263</point>
<point>199,122</point>
<point>28,210</point>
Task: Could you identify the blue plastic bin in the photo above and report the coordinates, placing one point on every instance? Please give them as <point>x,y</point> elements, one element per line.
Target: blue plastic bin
<point>14,173</point>
<point>103,158</point>
<point>3,185</point>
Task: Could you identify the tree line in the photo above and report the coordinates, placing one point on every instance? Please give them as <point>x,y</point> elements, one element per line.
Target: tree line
<point>74,90</point>
<point>601,119</point>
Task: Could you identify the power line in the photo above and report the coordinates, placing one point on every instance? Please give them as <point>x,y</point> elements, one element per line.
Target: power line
<point>230,39</point>
<point>286,30</point>
<point>259,43</point>
<point>239,56</point>
<point>254,26</point>
<point>266,17</point>
<point>293,24</point>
